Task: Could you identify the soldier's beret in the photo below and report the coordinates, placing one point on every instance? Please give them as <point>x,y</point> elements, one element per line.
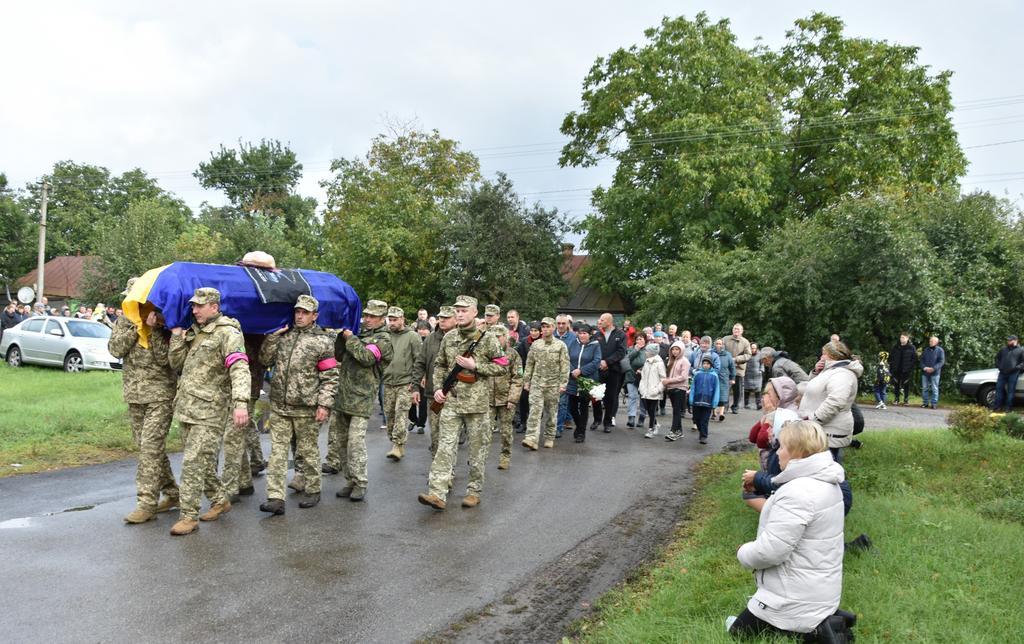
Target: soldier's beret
<point>446,312</point>
<point>396,312</point>
<point>492,309</point>
<point>549,321</point>
<point>205,295</point>
<point>465,300</point>
<point>376,308</point>
<point>308,303</point>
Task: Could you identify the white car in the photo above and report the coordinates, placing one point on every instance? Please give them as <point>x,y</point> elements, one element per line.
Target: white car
<point>75,345</point>
<point>981,385</point>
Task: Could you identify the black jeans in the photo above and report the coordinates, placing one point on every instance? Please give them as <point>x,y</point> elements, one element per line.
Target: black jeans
<point>652,411</point>
<point>901,382</point>
<point>678,397</point>
<point>418,413</point>
<point>605,410</point>
<point>748,624</point>
<point>579,409</point>
<point>737,392</point>
<point>524,409</point>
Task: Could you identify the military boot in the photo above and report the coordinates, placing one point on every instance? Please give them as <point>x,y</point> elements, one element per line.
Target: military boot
<point>310,501</point>
<point>138,515</point>
<point>247,491</point>
<point>326,468</point>
<point>298,483</point>
<point>470,501</point>
<point>215,511</point>
<point>401,451</point>
<point>503,462</point>
<point>394,454</point>
<point>273,506</point>
<point>184,526</point>
<point>344,492</point>
<point>432,500</point>
<point>529,444</point>
<point>167,504</point>
<point>358,494</point>
<point>548,444</point>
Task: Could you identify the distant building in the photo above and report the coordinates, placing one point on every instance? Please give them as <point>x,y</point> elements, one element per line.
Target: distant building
<point>584,303</point>
<point>62,277</point>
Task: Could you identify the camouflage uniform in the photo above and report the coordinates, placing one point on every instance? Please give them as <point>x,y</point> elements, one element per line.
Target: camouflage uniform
<point>149,387</point>
<point>361,360</point>
<point>306,377</point>
<point>424,370</point>
<point>547,371</point>
<point>214,381</point>
<point>399,384</point>
<point>236,474</point>
<point>505,390</point>
<point>467,403</point>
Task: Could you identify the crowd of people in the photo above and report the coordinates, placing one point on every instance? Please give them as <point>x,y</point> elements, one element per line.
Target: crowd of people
<point>15,313</point>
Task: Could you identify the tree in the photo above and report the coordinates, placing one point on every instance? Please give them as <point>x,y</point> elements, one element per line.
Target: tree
<point>252,176</point>
<point>386,213</point>
<point>719,145</point>
<point>17,235</point>
<point>504,252</point>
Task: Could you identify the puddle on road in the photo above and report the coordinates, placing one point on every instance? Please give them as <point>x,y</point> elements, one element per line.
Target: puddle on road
<point>77,508</point>
<point>24,522</point>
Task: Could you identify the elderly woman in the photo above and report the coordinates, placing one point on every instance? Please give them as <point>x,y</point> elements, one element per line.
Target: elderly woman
<point>636,357</point>
<point>584,362</point>
<point>829,396</point>
<point>797,557</point>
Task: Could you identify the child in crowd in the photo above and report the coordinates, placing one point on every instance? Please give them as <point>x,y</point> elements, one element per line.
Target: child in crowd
<point>704,397</point>
<point>651,388</point>
<point>882,378</point>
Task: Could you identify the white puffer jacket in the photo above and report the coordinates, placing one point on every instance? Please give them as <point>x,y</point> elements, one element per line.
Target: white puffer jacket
<point>828,398</point>
<point>798,555</point>
<point>650,378</point>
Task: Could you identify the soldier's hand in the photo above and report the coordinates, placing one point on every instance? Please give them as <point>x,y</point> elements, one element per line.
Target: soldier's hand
<point>176,330</point>
<point>511,406</point>
<point>346,333</point>
<point>151,320</point>
<point>466,363</point>
<point>561,390</point>
<point>440,397</point>
<point>322,413</point>
<point>283,329</point>
<point>241,418</point>
<point>526,386</point>
<point>415,397</point>
<point>423,382</point>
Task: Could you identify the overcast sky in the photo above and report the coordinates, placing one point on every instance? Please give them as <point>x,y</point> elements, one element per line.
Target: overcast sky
<point>160,85</point>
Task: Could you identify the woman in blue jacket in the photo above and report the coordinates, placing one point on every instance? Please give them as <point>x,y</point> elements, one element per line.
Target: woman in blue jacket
<point>726,376</point>
<point>584,362</point>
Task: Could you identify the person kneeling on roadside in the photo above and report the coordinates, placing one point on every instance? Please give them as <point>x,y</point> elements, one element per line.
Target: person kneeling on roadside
<point>797,557</point>
<point>779,402</point>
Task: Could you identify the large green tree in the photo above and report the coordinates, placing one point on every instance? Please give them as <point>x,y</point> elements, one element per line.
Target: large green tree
<point>17,235</point>
<point>716,144</point>
<point>386,214</point>
<point>503,251</point>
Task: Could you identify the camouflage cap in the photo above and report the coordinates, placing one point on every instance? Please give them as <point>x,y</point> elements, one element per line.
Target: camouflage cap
<point>465,300</point>
<point>308,303</point>
<point>446,312</point>
<point>376,308</point>
<point>205,295</point>
<point>492,309</point>
<point>548,321</point>
<point>499,329</point>
<point>396,312</point>
<point>129,285</point>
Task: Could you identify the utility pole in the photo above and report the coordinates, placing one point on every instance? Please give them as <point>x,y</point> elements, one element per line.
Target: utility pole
<point>42,244</point>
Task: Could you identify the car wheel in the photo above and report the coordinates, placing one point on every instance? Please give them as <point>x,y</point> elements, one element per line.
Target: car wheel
<point>73,362</point>
<point>987,396</point>
<point>14,356</point>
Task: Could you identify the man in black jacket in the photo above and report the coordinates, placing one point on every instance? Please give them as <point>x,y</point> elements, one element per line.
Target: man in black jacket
<point>902,360</point>
<point>613,350</point>
<point>1010,362</point>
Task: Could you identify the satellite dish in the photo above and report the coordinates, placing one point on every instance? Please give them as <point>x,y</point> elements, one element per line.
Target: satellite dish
<point>26,295</point>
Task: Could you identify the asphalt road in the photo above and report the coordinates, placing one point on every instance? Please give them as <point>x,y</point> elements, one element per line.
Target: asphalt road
<point>386,570</point>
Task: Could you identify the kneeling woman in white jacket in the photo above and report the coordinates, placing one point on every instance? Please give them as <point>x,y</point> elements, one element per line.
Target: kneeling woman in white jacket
<point>797,557</point>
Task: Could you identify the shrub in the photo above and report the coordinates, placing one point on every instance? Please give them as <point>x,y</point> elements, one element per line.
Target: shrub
<point>970,423</point>
<point>1011,424</point>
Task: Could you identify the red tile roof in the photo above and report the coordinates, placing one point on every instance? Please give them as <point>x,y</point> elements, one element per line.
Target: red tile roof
<point>582,297</point>
<point>62,276</point>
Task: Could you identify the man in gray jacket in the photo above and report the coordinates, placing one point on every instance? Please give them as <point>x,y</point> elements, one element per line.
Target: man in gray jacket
<point>779,364</point>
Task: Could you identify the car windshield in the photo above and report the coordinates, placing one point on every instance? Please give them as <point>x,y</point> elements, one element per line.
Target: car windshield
<point>81,329</point>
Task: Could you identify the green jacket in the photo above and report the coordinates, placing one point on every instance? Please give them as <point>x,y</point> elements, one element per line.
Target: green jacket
<point>148,376</point>
<point>214,371</point>
<point>406,346</point>
<point>305,370</point>
<point>362,360</point>
<point>547,363</point>
<point>636,357</point>
<point>427,357</point>
<point>508,387</point>
<point>465,397</point>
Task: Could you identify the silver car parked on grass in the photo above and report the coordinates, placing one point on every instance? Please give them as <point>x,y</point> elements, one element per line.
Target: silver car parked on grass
<point>75,345</point>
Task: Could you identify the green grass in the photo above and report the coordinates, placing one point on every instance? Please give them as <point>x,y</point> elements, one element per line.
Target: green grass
<point>51,419</point>
<point>866,398</point>
<point>947,520</point>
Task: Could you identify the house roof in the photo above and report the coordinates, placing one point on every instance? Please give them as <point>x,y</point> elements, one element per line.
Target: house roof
<point>62,276</point>
<point>582,297</point>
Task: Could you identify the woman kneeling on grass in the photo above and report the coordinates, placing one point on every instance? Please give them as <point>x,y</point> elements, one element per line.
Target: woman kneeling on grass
<point>797,557</point>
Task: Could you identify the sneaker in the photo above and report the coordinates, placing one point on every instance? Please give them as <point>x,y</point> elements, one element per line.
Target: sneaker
<point>674,436</point>
<point>613,421</point>
<point>881,406</point>
<point>640,420</point>
<point>652,432</point>
<point>703,441</point>
<point>933,406</point>
<point>924,405</point>
<point>878,406</point>
<point>729,622</point>
<point>420,430</point>
<point>631,422</point>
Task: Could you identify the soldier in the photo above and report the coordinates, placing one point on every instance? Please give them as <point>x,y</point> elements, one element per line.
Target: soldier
<point>492,313</point>
<point>424,371</point>
<point>546,377</point>
<point>399,385</point>
<point>149,387</point>
<point>301,396</point>
<point>214,384</point>
<point>236,474</point>
<point>505,395</point>
<point>362,360</point>
<point>468,401</point>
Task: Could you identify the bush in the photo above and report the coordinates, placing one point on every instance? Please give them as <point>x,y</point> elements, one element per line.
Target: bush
<point>1011,424</point>
<point>970,423</point>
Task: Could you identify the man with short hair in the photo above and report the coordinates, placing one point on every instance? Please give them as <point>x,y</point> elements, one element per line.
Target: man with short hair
<point>672,331</point>
<point>8,318</point>
<point>1009,362</point>
<point>423,371</point>
<point>545,378</point>
<point>613,350</point>
<point>932,360</point>
<point>422,315</point>
<point>564,332</point>
<point>902,361</point>
<point>466,402</point>
<point>362,359</point>
<point>516,327</point>
<point>399,386</point>
<point>739,347</point>
<point>213,385</point>
<point>301,396</point>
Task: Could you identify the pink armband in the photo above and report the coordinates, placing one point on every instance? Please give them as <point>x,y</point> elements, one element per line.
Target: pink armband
<point>233,358</point>
<point>372,348</point>
<point>502,361</point>
<point>326,363</point>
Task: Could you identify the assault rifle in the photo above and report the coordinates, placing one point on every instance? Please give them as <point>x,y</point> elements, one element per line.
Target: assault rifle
<point>457,374</point>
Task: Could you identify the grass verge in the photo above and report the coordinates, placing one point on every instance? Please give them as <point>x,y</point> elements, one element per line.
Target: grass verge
<point>947,520</point>
<point>51,419</point>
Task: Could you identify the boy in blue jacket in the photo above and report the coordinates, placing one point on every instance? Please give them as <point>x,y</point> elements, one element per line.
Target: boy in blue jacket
<point>704,397</point>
